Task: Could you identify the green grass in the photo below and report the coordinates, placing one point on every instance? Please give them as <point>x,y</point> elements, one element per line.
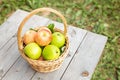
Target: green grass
<point>99,16</point>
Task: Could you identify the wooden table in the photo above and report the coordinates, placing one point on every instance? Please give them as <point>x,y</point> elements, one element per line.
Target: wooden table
<point>85,51</point>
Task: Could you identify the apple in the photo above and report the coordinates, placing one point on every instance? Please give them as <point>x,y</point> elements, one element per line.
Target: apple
<point>51,52</point>
<point>43,36</point>
<point>29,36</point>
<point>41,58</point>
<point>33,50</point>
<point>58,39</point>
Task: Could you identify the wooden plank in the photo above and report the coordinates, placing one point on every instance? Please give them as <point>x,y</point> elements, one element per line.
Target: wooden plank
<point>7,45</point>
<point>75,36</point>
<point>9,28</point>
<point>20,71</point>
<point>6,33</point>
<point>8,38</point>
<point>4,64</point>
<point>8,57</point>
<point>86,58</point>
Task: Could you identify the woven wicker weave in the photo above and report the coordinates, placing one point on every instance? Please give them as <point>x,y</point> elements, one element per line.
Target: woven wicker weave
<point>38,65</point>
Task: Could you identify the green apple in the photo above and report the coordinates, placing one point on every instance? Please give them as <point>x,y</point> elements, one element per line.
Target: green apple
<point>58,39</point>
<point>33,50</point>
<point>51,52</point>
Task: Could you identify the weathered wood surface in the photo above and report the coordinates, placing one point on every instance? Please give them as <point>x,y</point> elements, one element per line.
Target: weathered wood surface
<point>85,51</point>
<point>9,54</point>
<point>86,58</point>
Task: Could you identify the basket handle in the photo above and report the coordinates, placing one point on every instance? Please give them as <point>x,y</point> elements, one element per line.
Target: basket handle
<point>19,38</point>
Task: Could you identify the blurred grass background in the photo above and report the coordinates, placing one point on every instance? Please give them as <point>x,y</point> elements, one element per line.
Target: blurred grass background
<point>99,16</point>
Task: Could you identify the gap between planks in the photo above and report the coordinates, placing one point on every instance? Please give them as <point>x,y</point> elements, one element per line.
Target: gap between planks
<point>9,38</point>
<point>88,56</point>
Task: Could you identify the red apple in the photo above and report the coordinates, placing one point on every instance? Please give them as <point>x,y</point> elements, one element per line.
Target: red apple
<point>41,58</point>
<point>29,36</point>
<point>43,36</point>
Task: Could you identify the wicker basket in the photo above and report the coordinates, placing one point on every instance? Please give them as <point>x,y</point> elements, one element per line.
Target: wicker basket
<point>38,65</point>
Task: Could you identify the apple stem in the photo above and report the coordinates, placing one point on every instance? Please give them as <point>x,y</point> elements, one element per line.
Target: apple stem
<point>33,29</point>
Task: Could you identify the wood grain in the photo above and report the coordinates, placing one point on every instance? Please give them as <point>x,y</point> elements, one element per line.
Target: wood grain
<point>8,41</point>
<point>87,56</point>
<point>19,71</point>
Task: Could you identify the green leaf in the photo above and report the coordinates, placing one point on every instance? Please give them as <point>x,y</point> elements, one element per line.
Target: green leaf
<point>51,27</point>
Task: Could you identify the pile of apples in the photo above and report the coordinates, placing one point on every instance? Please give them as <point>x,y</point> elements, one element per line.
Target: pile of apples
<point>43,43</point>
